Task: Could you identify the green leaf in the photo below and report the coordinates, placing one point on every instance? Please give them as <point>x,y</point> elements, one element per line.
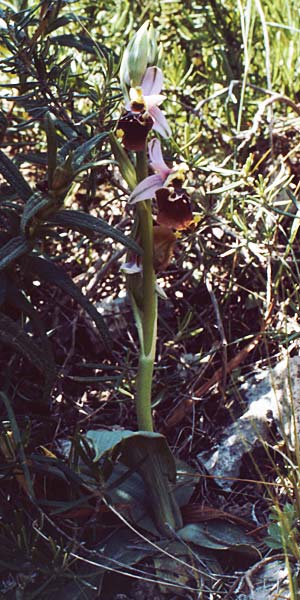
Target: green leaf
<point>94,165</point>
<point>48,271</point>
<point>11,334</point>
<point>220,535</point>
<point>31,157</point>
<point>196,533</point>
<point>49,123</point>
<point>80,42</point>
<point>32,207</point>
<point>84,149</point>
<point>127,493</point>
<point>103,441</point>
<point>126,167</point>
<point>149,455</point>
<point>80,221</point>
<point>125,548</point>
<point>62,21</point>
<point>16,247</point>
<point>186,480</point>
<point>12,174</point>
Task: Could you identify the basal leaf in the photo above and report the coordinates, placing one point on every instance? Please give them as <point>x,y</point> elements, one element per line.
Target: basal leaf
<point>16,247</point>
<point>124,549</point>
<point>48,271</point>
<point>220,535</point>
<point>149,455</point>
<point>127,493</point>
<point>186,480</point>
<point>196,533</point>
<point>181,576</point>
<point>103,441</point>
<point>80,221</point>
<point>24,479</point>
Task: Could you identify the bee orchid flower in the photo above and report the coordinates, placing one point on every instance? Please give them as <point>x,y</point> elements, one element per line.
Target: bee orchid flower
<point>143,112</point>
<point>174,210</point>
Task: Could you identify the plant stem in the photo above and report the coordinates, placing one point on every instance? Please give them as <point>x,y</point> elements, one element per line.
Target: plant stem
<point>149,306</point>
<point>143,393</point>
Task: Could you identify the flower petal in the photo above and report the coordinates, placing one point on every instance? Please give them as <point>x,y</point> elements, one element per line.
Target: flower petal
<point>146,189</point>
<point>152,81</point>
<point>131,268</point>
<point>153,100</point>
<point>156,158</point>
<point>160,122</point>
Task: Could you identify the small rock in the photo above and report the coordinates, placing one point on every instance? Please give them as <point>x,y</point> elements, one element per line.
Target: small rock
<point>272,393</point>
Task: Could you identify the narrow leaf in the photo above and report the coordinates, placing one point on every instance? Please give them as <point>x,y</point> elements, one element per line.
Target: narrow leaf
<point>62,21</point>
<point>12,174</point>
<point>80,42</point>
<point>25,479</point>
<point>51,146</point>
<point>126,167</point>
<point>48,271</point>
<point>80,221</point>
<point>32,207</point>
<point>84,149</point>
<point>12,250</point>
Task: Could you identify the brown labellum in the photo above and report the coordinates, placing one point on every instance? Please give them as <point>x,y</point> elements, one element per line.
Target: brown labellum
<point>174,208</point>
<point>136,127</point>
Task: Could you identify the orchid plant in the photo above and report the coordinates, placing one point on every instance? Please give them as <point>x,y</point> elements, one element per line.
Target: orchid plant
<point>142,83</point>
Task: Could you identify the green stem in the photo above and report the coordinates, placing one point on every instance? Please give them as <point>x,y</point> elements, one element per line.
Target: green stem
<point>149,306</point>
<point>143,393</point>
<point>141,165</point>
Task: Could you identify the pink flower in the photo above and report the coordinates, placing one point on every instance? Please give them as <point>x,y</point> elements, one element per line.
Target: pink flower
<point>163,177</point>
<point>174,210</point>
<point>143,112</point>
<point>148,97</point>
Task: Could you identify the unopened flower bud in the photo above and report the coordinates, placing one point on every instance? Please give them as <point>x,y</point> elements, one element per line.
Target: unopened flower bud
<point>62,177</point>
<point>140,53</point>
